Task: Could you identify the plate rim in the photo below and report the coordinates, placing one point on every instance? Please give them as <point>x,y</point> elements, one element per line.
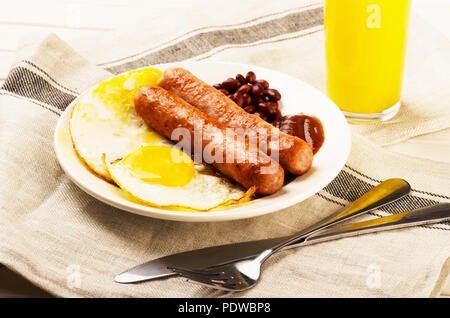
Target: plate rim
<point>271,206</point>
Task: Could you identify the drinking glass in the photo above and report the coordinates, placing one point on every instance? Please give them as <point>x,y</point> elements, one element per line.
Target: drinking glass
<point>365,52</point>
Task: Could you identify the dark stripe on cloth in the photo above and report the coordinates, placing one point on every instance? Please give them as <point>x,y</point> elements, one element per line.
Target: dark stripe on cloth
<point>372,213</point>
<point>26,83</point>
<point>204,42</point>
<point>234,46</point>
<point>176,39</point>
<point>349,187</point>
<point>48,75</point>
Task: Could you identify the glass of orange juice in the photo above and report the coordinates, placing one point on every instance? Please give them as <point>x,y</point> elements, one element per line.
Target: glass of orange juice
<point>365,52</point>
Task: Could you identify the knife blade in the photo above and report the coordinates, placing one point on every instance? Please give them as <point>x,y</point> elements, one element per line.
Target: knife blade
<point>196,259</point>
<point>218,255</point>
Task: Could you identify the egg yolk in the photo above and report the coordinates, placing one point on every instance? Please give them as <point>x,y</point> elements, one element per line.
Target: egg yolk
<point>161,165</point>
<point>117,94</point>
<point>151,137</point>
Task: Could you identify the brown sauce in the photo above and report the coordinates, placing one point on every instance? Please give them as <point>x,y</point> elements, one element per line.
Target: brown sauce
<point>306,127</point>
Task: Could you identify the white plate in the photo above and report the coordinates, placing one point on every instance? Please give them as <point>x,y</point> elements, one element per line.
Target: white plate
<point>297,97</point>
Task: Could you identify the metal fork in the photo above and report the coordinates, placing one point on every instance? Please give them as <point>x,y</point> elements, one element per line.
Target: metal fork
<point>244,274</point>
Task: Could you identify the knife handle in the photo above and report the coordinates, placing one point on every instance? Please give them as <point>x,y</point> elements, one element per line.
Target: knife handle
<point>428,215</point>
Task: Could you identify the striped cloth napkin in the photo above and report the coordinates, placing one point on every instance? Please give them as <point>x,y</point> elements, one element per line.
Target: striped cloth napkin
<point>72,245</point>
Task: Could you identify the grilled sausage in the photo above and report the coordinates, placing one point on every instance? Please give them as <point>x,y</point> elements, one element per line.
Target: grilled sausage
<point>231,154</point>
<point>295,155</point>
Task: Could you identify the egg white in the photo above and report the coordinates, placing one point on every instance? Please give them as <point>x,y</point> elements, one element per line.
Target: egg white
<point>96,129</point>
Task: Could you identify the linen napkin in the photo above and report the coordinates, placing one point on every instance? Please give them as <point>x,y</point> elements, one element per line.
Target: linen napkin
<point>72,245</point>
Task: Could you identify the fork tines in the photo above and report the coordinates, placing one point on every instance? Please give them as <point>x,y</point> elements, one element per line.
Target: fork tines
<point>209,277</point>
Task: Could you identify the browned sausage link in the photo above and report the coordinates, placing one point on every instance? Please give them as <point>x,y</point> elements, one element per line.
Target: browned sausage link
<point>164,112</point>
<point>295,155</point>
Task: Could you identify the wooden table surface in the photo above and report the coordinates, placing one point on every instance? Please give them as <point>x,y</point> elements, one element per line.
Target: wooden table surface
<point>71,19</point>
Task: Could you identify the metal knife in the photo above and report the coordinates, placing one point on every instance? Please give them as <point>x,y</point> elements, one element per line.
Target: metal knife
<point>217,255</point>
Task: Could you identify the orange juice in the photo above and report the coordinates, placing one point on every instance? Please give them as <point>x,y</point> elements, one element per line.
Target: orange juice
<point>365,51</point>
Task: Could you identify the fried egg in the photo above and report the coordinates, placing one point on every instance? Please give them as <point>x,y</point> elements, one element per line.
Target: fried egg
<point>104,121</point>
<point>166,177</point>
<point>117,145</point>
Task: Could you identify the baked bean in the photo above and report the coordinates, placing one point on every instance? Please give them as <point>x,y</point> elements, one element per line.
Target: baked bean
<point>257,100</point>
<point>262,106</point>
<point>224,91</point>
<point>278,114</point>
<point>247,99</point>
<point>241,79</point>
<point>250,109</point>
<point>253,95</point>
<point>261,115</point>
<point>257,90</point>
<point>273,94</point>
<point>272,108</point>
<point>250,77</point>
<point>269,108</point>
<point>231,84</point>
<point>244,89</point>
<point>264,83</point>
<point>238,98</point>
